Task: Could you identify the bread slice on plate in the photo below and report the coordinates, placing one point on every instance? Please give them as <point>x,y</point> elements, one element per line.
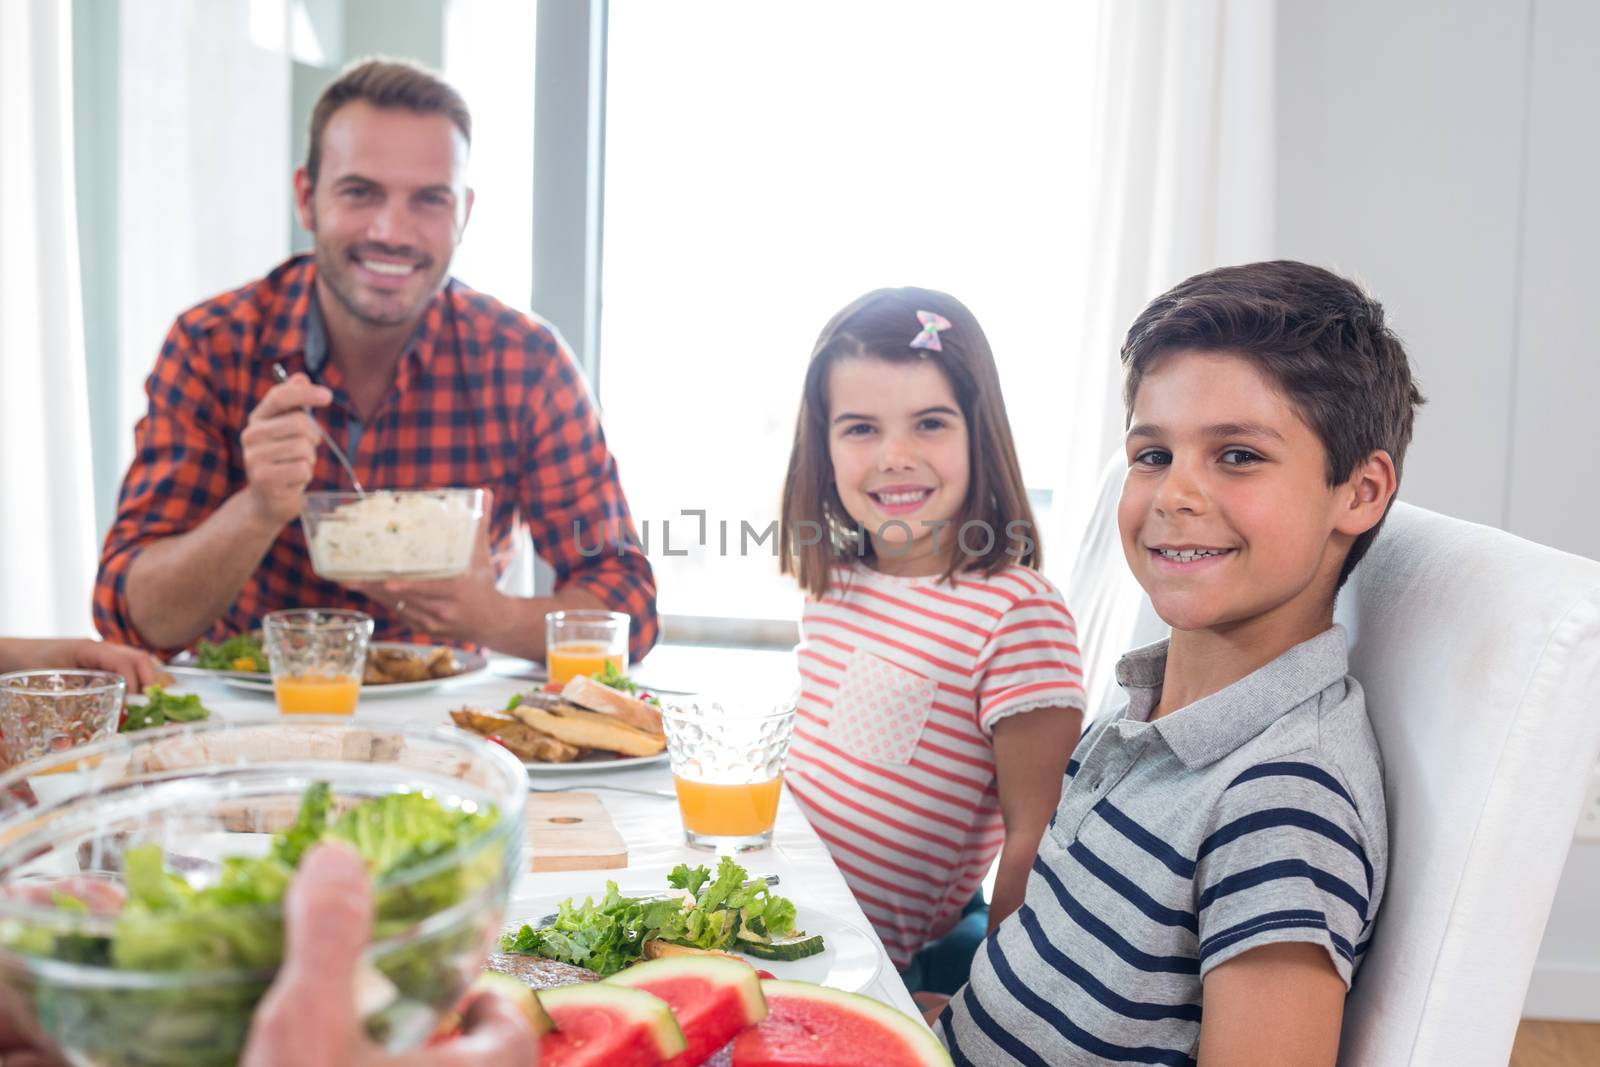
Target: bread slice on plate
<point>585,692</point>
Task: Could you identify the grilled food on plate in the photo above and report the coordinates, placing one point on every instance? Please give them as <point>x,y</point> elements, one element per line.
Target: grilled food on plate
<point>526,743</point>
<point>587,729</point>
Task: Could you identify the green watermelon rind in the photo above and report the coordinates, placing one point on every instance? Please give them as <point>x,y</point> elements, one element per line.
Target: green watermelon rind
<point>919,1039</point>
<point>520,995</point>
<point>632,1004</point>
<point>714,968</point>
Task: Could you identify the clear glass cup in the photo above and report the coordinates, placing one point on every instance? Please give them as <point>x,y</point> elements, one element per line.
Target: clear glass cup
<point>583,642</point>
<point>727,767</point>
<point>46,712</point>
<point>317,657</point>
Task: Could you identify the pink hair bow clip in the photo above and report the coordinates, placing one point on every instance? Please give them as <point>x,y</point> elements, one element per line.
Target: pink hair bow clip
<point>928,336</point>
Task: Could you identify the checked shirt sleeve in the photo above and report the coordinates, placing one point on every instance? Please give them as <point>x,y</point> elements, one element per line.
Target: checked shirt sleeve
<point>179,474</point>
<point>576,513</point>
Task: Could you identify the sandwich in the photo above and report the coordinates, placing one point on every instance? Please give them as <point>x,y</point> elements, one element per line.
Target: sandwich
<point>588,729</point>
<point>585,692</point>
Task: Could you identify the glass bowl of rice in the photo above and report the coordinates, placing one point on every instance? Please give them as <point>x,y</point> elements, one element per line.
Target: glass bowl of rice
<point>392,534</point>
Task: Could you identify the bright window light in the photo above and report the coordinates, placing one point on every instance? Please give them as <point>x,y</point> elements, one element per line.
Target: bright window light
<point>767,163</point>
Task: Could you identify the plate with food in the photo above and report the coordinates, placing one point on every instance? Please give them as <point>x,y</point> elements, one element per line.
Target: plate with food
<point>586,726</point>
<point>696,912</point>
<point>394,668</point>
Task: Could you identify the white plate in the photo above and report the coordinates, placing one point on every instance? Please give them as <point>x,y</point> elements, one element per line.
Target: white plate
<point>472,664</point>
<point>850,959</point>
<point>593,763</point>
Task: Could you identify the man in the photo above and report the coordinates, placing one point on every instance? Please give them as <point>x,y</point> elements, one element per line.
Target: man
<point>425,383</point>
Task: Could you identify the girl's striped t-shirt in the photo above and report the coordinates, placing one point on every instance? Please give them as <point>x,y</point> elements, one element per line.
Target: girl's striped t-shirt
<point>902,682</point>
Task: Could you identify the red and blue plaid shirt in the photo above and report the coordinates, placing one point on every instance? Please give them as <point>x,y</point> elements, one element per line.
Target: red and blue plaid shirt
<point>484,396</point>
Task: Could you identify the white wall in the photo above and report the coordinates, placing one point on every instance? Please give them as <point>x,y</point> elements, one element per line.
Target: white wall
<point>1444,152</point>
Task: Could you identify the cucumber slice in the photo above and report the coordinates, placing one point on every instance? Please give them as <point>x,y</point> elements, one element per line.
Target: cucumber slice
<point>797,947</point>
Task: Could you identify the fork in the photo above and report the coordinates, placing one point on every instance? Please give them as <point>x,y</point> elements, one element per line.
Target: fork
<point>338,453</point>
<point>664,793</point>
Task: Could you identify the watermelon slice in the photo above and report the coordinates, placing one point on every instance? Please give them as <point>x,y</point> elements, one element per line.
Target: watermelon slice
<point>487,982</point>
<point>610,1025</point>
<point>713,999</point>
<point>519,994</point>
<point>814,1026</point>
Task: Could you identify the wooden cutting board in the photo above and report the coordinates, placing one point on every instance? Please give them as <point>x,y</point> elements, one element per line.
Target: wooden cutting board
<point>572,832</point>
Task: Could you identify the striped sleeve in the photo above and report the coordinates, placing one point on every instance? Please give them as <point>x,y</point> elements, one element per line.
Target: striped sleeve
<point>1287,860</point>
<point>1030,659</point>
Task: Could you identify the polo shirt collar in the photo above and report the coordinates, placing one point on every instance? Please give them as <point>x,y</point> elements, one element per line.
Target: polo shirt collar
<point>1215,726</point>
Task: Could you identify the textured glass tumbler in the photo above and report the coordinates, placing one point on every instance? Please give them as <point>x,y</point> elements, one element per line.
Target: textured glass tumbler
<point>727,767</point>
<point>46,712</point>
<point>318,657</point>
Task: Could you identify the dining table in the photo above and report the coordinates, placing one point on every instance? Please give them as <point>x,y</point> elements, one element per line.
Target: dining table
<point>638,797</point>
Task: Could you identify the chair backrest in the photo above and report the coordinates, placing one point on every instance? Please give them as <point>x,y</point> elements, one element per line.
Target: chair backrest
<point>1480,656</point>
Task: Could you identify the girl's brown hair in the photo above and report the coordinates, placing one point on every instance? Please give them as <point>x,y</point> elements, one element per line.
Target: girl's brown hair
<point>881,325</point>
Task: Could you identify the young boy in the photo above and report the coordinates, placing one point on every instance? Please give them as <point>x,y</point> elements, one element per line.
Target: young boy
<point>1209,882</point>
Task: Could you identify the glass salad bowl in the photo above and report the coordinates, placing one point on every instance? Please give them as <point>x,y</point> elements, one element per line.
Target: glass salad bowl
<point>141,890</point>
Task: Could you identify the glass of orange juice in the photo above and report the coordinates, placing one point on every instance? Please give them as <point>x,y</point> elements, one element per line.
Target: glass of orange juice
<point>317,656</point>
<point>727,766</point>
<point>583,642</point>
<point>48,711</point>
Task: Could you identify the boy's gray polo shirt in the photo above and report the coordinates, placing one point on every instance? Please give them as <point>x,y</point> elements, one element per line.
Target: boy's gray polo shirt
<point>1252,816</point>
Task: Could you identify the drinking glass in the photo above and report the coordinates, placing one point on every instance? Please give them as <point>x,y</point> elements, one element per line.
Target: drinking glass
<point>727,766</point>
<point>583,642</point>
<point>49,711</point>
<point>318,656</point>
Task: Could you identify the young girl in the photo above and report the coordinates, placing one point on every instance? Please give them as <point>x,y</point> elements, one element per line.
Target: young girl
<point>941,692</point>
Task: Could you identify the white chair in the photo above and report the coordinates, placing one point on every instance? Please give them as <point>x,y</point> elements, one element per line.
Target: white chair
<point>1480,656</point>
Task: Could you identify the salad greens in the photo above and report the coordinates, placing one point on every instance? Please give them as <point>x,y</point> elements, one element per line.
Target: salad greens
<point>231,922</point>
<point>609,675</point>
<point>707,912</point>
<point>242,652</point>
<point>160,708</point>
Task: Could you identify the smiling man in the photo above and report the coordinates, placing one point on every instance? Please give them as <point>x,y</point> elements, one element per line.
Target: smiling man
<point>424,383</point>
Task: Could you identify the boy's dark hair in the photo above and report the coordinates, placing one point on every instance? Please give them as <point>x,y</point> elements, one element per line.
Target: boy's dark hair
<point>881,325</point>
<point>1320,337</point>
<point>385,83</point>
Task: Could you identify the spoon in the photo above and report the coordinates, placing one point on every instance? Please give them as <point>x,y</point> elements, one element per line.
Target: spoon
<point>338,453</point>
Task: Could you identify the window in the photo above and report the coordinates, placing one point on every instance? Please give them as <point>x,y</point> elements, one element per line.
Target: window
<point>765,164</point>
<point>488,57</point>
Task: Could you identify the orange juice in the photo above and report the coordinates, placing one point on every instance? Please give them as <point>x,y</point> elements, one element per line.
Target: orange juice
<point>728,810</point>
<point>568,659</point>
<point>316,694</point>
<point>68,768</point>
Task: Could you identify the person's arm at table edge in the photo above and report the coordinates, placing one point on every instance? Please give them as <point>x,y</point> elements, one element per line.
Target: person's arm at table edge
<point>577,514</point>
<point>178,586</point>
<point>1031,750</point>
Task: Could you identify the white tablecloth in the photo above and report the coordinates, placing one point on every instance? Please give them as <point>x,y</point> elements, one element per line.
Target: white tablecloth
<point>648,823</point>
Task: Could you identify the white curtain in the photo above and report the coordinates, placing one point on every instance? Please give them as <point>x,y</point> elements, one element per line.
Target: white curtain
<point>1182,159</point>
<point>47,536</point>
<point>204,191</point>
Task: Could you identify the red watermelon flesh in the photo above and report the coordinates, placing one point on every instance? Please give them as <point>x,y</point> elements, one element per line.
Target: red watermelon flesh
<point>712,998</point>
<point>814,1026</point>
<point>599,1025</point>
